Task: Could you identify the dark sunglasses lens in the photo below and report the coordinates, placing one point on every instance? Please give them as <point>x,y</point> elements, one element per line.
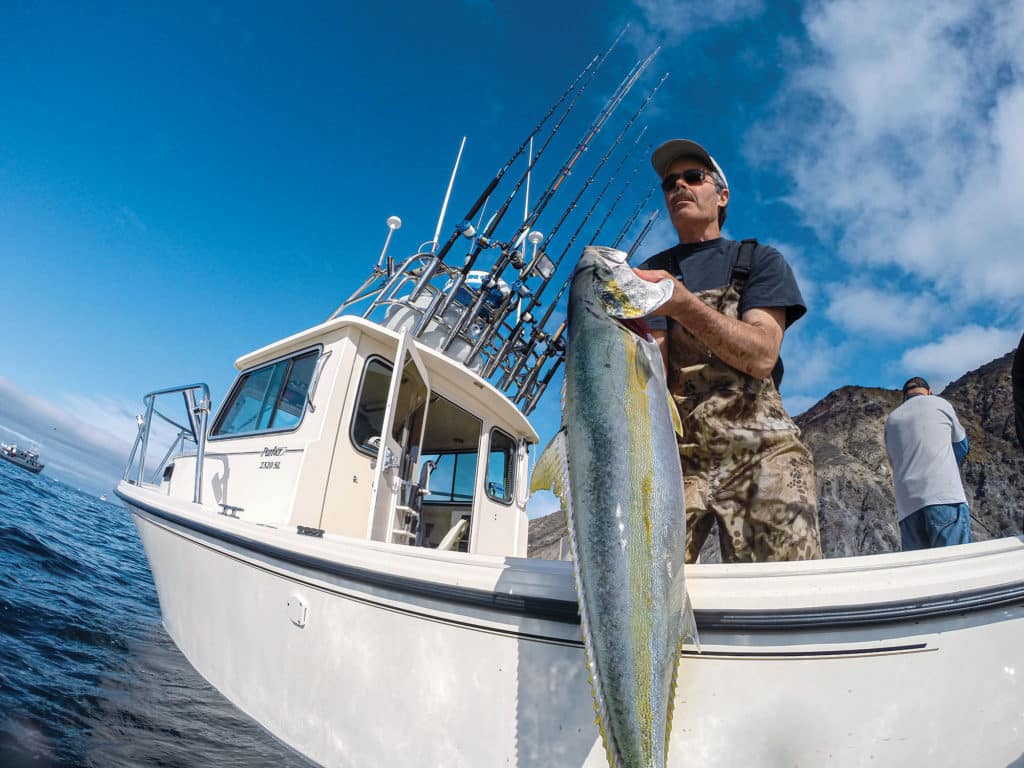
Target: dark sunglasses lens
<point>691,176</point>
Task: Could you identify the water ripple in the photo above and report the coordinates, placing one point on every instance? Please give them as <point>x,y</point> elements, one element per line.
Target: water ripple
<point>88,677</point>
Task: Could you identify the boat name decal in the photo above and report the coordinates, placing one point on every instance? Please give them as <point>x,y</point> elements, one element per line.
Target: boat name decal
<point>275,450</point>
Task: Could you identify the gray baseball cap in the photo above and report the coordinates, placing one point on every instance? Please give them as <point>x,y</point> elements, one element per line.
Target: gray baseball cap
<point>672,150</point>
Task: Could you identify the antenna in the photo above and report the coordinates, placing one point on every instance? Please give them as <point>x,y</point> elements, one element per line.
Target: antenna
<point>447,194</point>
<point>393,223</point>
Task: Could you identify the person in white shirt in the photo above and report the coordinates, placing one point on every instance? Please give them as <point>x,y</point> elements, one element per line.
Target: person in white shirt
<point>926,445</point>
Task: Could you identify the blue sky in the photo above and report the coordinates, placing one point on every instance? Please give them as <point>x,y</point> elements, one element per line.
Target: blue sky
<point>182,184</point>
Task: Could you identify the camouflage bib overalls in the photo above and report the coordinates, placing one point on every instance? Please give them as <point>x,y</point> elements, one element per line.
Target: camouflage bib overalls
<point>743,462</point>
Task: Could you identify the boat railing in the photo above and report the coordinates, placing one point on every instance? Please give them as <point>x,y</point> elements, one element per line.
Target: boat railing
<point>197,409</point>
<point>398,298</point>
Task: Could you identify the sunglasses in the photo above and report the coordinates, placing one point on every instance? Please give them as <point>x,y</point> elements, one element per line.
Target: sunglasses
<point>692,177</point>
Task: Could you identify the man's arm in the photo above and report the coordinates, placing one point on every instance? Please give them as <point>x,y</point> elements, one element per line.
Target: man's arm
<point>960,451</point>
<point>750,344</point>
<point>958,434</point>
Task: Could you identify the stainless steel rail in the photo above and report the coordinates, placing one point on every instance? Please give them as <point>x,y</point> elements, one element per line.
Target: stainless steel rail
<point>198,418</point>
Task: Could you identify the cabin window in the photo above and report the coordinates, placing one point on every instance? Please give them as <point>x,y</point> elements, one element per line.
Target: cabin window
<point>451,441</point>
<point>501,467</point>
<point>452,480</point>
<point>373,399</point>
<point>269,399</point>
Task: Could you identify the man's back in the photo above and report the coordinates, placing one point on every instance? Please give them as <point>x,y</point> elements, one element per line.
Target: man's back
<point>919,437</point>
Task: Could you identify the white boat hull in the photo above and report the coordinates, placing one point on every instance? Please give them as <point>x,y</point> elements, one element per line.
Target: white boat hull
<point>396,667</point>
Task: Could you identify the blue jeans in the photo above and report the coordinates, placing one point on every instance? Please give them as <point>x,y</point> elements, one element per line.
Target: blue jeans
<point>939,525</point>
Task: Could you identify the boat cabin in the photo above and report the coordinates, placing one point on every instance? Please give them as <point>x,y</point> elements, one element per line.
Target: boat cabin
<point>353,429</point>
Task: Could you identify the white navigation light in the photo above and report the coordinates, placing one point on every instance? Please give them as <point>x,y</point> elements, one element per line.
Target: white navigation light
<point>393,223</point>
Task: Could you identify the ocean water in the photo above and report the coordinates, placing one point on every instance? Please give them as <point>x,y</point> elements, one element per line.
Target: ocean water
<point>88,676</point>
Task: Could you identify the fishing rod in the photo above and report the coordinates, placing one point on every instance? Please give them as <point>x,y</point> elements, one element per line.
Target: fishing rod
<point>621,91</point>
<point>507,252</point>
<point>537,335</point>
<point>643,233</point>
<point>555,347</point>
<point>556,341</point>
<point>443,300</point>
<point>615,202</point>
<point>466,223</point>
<point>526,316</point>
<point>632,218</point>
<point>504,310</point>
<point>484,241</point>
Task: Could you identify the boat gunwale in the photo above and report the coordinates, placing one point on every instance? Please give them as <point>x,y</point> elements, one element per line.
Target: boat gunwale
<point>566,611</point>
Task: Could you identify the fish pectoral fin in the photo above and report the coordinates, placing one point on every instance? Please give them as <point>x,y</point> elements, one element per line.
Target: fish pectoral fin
<point>550,472</point>
<point>652,362</point>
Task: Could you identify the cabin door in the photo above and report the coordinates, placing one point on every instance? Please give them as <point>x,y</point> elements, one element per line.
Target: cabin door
<point>394,514</point>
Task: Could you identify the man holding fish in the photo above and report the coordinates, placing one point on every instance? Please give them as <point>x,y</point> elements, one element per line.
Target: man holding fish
<point>720,334</point>
<point>615,463</point>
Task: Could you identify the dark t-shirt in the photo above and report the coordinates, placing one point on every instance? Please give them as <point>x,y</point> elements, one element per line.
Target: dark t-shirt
<point>707,265</point>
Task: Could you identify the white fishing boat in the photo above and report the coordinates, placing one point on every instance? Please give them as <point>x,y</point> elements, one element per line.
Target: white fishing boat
<point>342,552</point>
<point>26,458</point>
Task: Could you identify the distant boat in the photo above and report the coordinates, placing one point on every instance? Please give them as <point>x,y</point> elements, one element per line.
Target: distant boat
<point>26,459</point>
<point>103,497</point>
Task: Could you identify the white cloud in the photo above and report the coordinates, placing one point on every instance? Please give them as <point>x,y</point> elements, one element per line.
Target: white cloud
<point>861,309</point>
<point>84,441</point>
<point>900,124</point>
<point>798,261</point>
<point>670,20</point>
<point>810,361</point>
<point>957,353</point>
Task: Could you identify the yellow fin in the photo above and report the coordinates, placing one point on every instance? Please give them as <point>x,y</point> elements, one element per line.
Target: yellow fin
<point>550,470</point>
<point>677,423</point>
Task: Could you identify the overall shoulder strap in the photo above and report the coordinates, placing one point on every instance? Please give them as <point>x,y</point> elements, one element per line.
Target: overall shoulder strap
<point>741,269</point>
<point>738,279</point>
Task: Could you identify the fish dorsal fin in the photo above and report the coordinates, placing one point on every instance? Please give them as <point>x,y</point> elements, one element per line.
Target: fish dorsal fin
<point>550,472</point>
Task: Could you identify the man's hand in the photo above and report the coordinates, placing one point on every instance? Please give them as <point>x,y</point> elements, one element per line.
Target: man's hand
<point>680,293</point>
<point>750,344</point>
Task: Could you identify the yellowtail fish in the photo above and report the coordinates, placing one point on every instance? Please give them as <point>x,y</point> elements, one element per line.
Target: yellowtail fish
<point>615,466</point>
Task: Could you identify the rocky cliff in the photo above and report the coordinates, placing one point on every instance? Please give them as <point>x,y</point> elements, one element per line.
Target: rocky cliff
<point>844,431</point>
